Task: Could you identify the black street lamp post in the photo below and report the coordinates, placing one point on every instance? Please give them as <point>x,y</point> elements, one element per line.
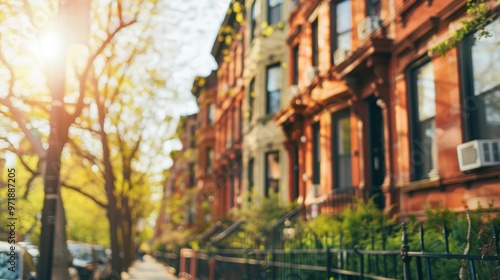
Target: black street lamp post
<point>56,80</point>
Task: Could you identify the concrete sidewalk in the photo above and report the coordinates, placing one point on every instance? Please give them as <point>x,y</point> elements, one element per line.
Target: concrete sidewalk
<point>149,269</point>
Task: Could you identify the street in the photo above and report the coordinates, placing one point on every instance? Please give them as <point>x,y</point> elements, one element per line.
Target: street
<point>149,269</point>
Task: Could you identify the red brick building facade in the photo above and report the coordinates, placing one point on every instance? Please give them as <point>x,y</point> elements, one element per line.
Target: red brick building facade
<point>439,102</point>
<point>228,52</point>
<point>369,110</point>
<point>205,90</point>
<point>373,111</point>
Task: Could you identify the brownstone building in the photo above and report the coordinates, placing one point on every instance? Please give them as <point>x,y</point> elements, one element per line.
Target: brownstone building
<point>335,121</point>
<point>371,112</point>
<point>180,193</point>
<point>438,103</point>
<point>228,51</point>
<point>205,90</point>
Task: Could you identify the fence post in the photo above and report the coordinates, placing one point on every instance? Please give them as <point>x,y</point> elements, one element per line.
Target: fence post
<point>361,264</point>
<point>212,268</point>
<point>404,254</point>
<point>194,265</point>
<point>340,257</point>
<point>495,239</point>
<point>419,259</point>
<point>328,263</point>
<point>445,235</point>
<point>182,263</point>
<point>422,248</point>
<point>373,249</point>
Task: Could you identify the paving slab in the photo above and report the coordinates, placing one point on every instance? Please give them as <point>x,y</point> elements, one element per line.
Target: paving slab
<point>148,269</point>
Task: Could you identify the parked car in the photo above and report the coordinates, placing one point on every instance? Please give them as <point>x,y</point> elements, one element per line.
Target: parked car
<point>18,265</point>
<point>90,261</point>
<point>103,262</point>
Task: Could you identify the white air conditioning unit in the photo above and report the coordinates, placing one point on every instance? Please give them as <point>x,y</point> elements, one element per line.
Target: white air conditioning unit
<point>367,27</point>
<point>339,56</point>
<point>229,142</point>
<point>478,153</point>
<point>311,73</point>
<point>293,90</point>
<point>313,192</point>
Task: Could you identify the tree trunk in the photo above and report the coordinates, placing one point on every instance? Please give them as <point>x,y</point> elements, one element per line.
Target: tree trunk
<point>62,257</point>
<point>127,235</point>
<point>116,261</point>
<point>112,212</point>
<point>112,215</point>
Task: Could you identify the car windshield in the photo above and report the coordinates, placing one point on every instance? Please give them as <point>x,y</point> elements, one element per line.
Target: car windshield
<point>101,255</point>
<point>5,264</point>
<point>80,252</point>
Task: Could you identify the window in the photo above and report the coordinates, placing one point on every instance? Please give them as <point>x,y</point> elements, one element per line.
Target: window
<point>373,8</point>
<point>316,149</point>
<point>209,157</point>
<point>250,178</point>
<point>342,150</point>
<point>192,142</point>
<point>192,175</point>
<point>211,114</point>
<point>295,65</point>
<point>273,88</point>
<point>240,120</point>
<point>229,129</point>
<point>273,173</point>
<point>341,25</point>
<point>377,142</point>
<point>480,69</point>
<point>251,99</point>
<point>296,170</point>
<point>232,66</point>
<point>253,19</point>
<point>274,11</point>
<point>314,43</point>
<point>423,112</point>
<point>231,191</point>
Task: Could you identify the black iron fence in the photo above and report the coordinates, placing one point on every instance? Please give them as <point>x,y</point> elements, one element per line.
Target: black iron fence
<point>289,250</point>
<point>282,232</point>
<point>356,262</point>
<point>170,259</point>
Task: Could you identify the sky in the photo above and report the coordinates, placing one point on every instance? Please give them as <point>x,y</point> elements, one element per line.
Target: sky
<point>198,22</point>
<point>191,43</point>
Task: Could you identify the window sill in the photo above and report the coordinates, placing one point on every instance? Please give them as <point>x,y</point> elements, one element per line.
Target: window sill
<point>465,179</point>
<point>265,119</point>
<point>422,185</point>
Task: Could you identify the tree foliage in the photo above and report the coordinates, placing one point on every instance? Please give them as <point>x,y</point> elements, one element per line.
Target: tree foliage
<point>479,16</point>
<point>114,120</point>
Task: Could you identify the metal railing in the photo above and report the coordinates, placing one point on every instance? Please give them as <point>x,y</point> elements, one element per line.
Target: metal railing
<point>170,259</point>
<point>332,204</point>
<point>374,260</point>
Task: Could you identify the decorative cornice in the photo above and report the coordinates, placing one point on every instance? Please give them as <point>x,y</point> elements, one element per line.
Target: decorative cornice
<point>364,57</point>
<point>451,9</point>
<point>405,9</point>
<point>426,29</point>
<point>309,7</point>
<point>294,33</point>
<point>294,108</point>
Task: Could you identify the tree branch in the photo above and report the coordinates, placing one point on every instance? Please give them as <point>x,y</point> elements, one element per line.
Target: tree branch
<point>89,196</point>
<point>90,62</point>
<point>28,185</point>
